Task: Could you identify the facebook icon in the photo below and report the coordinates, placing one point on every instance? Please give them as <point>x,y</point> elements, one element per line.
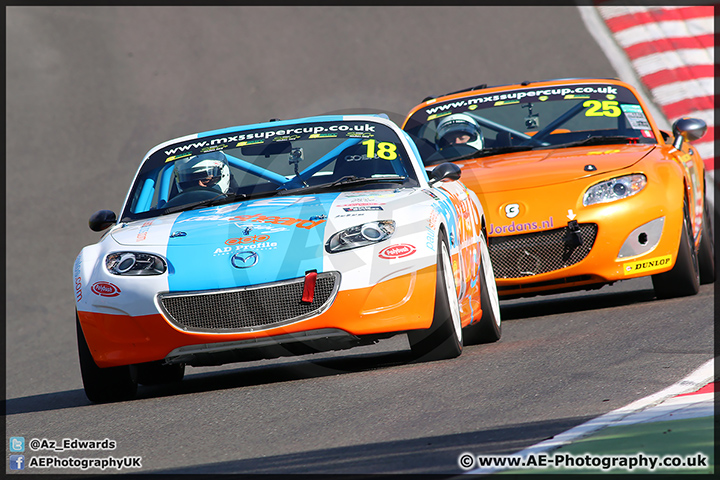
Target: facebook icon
<point>17,462</point>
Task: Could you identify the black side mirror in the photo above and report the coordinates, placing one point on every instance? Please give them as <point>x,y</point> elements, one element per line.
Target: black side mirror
<point>444,171</point>
<point>101,220</point>
<point>689,129</point>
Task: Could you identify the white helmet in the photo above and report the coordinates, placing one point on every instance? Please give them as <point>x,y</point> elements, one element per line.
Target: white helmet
<point>458,124</point>
<point>213,166</point>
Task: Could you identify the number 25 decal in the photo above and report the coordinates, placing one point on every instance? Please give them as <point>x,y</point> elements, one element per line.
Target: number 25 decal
<point>385,150</point>
<point>607,108</point>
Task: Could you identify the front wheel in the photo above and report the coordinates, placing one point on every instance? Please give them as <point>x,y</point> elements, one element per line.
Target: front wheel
<point>443,340</point>
<point>684,278</point>
<point>102,385</point>
<point>489,328</point>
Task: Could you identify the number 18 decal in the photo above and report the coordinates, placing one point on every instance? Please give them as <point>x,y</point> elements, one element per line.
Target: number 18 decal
<point>385,150</point>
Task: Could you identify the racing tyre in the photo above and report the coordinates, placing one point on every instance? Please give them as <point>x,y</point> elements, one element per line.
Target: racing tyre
<point>155,373</point>
<point>104,384</point>
<point>684,278</point>
<point>443,340</point>
<point>489,328</point>
<point>706,251</point>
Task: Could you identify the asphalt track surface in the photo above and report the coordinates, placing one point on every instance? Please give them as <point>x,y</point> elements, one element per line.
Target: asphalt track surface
<point>90,90</point>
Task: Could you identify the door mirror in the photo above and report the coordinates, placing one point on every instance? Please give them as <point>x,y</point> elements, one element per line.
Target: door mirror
<point>101,220</point>
<point>444,171</point>
<point>689,129</point>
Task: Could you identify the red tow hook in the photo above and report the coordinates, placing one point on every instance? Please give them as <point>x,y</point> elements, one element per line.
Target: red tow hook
<point>309,287</point>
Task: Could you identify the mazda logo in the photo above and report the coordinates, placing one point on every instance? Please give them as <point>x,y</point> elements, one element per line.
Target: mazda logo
<point>244,259</point>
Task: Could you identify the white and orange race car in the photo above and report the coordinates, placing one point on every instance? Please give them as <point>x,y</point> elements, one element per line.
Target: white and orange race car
<point>281,238</point>
<point>580,186</point>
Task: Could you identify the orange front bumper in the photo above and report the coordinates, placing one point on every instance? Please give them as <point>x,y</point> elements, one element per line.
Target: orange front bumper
<point>400,304</point>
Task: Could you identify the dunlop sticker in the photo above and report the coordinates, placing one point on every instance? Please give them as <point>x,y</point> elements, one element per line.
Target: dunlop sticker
<point>640,266</point>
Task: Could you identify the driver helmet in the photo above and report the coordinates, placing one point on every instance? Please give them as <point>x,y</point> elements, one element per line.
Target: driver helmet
<point>213,166</point>
<point>458,124</point>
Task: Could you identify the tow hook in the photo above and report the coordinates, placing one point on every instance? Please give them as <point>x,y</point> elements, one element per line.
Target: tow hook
<point>572,235</point>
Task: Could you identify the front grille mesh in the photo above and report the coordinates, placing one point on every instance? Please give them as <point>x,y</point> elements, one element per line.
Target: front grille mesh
<point>250,308</point>
<point>528,254</point>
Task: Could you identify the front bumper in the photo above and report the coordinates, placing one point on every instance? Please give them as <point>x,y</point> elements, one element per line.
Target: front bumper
<point>573,247</point>
<point>396,305</point>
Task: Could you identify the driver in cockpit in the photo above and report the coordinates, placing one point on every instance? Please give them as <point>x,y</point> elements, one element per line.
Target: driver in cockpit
<point>207,170</point>
<point>459,129</point>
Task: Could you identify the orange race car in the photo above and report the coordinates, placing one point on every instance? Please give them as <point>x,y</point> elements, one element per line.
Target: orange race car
<point>580,186</point>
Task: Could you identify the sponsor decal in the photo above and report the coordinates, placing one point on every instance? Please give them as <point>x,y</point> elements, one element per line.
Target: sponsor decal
<point>142,233</point>
<point>506,98</point>
<point>298,222</point>
<point>431,194</point>
<point>397,251</point>
<point>286,138</point>
<point>260,136</point>
<point>105,289</point>
<point>512,210</point>
<point>178,234</point>
<point>368,208</point>
<point>178,157</point>
<point>520,227</point>
<point>640,266</point>
<point>430,230</point>
<point>265,228</point>
<point>78,279</point>
<point>244,259</point>
<point>349,215</point>
<point>605,152</point>
<point>252,239</point>
<point>245,247</point>
<point>78,289</point>
<point>371,196</point>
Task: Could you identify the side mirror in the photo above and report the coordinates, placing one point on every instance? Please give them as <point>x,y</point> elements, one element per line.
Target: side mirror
<point>689,129</point>
<point>101,220</point>
<point>444,171</point>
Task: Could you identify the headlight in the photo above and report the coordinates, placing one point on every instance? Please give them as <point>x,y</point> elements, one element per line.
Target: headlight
<point>360,235</point>
<point>133,263</point>
<point>614,189</point>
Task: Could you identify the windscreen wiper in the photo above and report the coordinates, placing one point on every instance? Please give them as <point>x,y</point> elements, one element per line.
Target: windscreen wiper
<point>220,199</point>
<point>342,182</point>
<point>599,140</point>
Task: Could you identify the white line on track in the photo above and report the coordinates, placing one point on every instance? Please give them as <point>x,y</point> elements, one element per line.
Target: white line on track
<point>696,380</point>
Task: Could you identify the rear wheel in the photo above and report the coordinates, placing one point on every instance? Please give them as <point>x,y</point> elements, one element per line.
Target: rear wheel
<point>443,339</point>
<point>489,328</point>
<point>706,250</point>
<point>684,278</point>
<point>104,384</point>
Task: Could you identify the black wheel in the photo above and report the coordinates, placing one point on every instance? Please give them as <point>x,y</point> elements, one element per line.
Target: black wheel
<point>706,251</point>
<point>155,373</point>
<point>489,328</point>
<point>684,278</point>
<point>443,339</point>
<point>103,384</point>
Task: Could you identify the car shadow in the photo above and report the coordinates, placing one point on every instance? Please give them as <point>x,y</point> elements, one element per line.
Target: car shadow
<point>541,306</point>
<point>426,457</point>
<point>304,367</point>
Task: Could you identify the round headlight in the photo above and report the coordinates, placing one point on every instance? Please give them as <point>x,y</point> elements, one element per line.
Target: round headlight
<point>371,231</point>
<point>126,263</point>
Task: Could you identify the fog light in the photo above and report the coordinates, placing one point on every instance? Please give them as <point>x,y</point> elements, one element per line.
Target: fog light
<point>642,239</point>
